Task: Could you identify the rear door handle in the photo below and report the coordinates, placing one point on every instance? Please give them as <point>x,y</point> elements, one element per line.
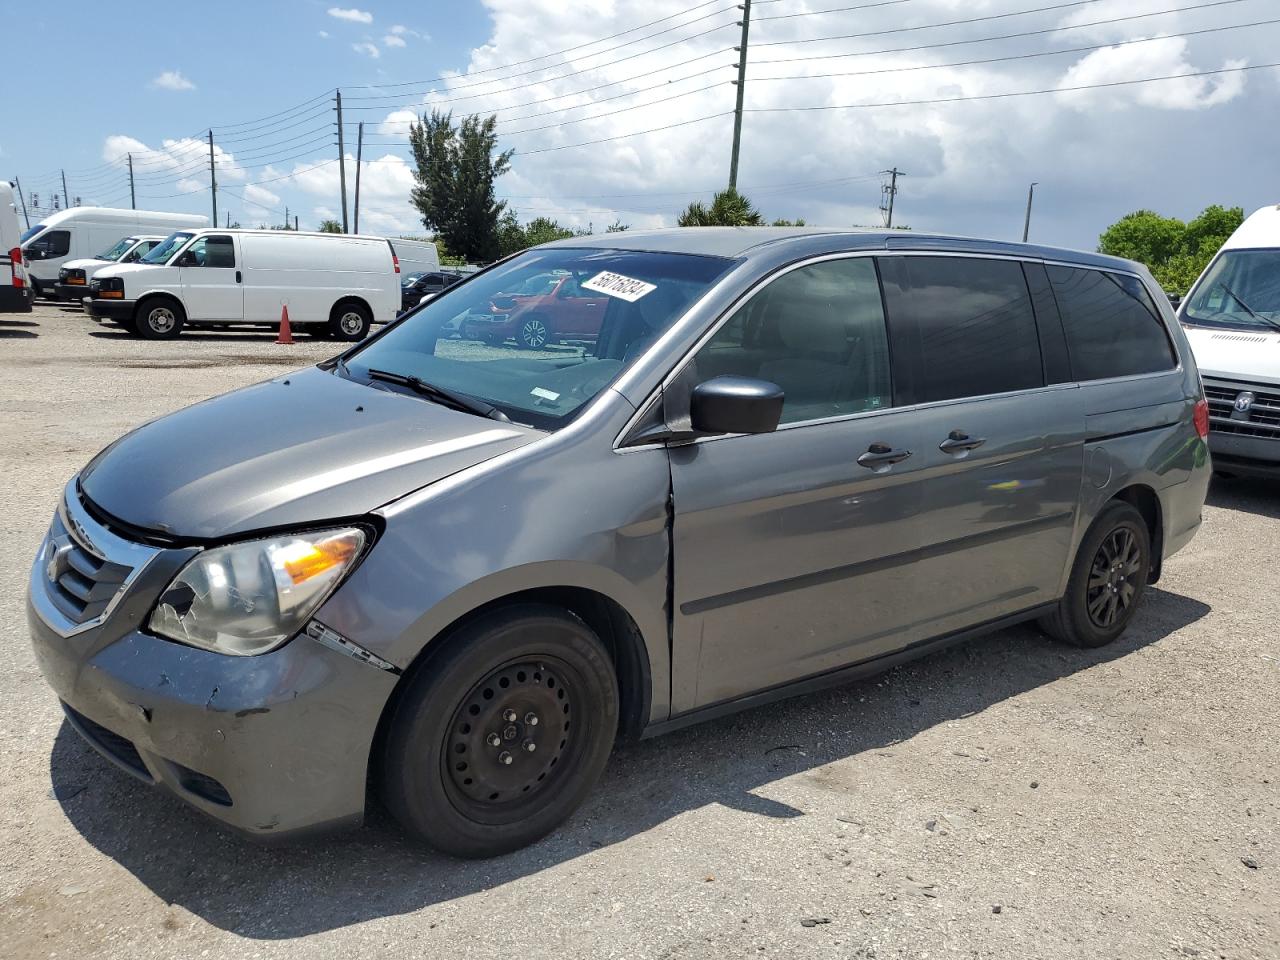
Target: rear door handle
<point>238,280</point>
<point>881,456</point>
<point>960,442</point>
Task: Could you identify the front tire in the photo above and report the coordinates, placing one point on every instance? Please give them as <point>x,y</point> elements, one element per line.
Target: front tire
<point>350,322</point>
<point>503,733</point>
<point>1107,580</point>
<point>159,319</point>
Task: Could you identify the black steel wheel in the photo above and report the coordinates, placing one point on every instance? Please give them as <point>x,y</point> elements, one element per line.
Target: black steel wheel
<point>1107,579</point>
<point>502,732</point>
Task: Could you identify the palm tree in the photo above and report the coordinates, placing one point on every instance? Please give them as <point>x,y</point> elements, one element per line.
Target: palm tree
<point>728,208</point>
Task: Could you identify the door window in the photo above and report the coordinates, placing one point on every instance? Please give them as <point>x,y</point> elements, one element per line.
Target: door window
<point>213,252</point>
<point>1113,329</point>
<point>818,333</point>
<point>52,244</point>
<point>967,321</point>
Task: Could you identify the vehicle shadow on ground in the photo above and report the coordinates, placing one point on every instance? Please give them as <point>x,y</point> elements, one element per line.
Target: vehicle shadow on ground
<point>215,336</point>
<point>278,892</point>
<point>16,329</point>
<point>1255,495</point>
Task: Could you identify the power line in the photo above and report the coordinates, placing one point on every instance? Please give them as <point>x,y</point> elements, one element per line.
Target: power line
<point>1019,93</point>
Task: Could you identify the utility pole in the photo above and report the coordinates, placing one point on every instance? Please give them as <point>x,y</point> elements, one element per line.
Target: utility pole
<point>65,196</point>
<point>133,197</point>
<point>228,227</point>
<point>359,150</point>
<point>286,216</point>
<point>1026,224</point>
<point>342,161</point>
<point>213,181</point>
<point>745,22</point>
<point>890,191</point>
<point>295,223</point>
<point>25,216</point>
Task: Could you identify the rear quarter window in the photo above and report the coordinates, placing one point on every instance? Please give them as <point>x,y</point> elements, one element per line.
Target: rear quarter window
<point>1112,327</point>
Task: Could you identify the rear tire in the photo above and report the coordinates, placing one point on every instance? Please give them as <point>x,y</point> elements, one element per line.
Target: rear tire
<point>350,321</point>
<point>1107,580</point>
<point>502,734</point>
<point>159,319</point>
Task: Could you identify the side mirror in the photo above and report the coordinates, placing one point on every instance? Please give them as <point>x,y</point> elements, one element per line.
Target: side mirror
<point>188,259</point>
<point>426,299</point>
<point>736,405</point>
<point>1175,300</point>
<point>33,253</point>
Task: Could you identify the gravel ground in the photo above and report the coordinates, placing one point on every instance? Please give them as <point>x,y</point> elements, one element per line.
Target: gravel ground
<point>1010,798</point>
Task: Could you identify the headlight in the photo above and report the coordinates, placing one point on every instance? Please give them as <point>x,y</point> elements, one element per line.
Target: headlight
<point>248,598</point>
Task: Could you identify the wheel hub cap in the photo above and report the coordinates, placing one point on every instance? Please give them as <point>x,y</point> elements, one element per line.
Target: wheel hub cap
<point>511,730</point>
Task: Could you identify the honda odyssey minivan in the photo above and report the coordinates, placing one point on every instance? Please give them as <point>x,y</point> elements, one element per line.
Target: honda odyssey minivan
<point>458,573</point>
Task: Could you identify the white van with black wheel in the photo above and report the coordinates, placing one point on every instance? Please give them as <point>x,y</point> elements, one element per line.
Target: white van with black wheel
<point>15,289</point>
<point>81,232</point>
<point>74,275</point>
<point>333,285</point>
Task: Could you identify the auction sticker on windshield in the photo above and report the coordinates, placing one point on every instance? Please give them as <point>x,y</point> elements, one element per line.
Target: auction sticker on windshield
<point>616,285</point>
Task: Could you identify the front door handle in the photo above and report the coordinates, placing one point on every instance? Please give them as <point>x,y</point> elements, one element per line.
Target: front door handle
<point>960,442</point>
<point>881,456</point>
<point>238,280</point>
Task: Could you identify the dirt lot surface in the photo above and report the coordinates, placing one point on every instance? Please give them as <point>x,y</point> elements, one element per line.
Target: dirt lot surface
<point>1010,798</point>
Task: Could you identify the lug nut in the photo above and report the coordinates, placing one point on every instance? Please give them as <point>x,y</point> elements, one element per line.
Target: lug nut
<point>504,757</point>
<point>531,718</point>
<point>509,715</point>
<point>493,740</point>
<point>530,746</point>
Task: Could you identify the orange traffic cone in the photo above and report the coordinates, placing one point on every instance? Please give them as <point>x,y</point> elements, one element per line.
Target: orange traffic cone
<point>286,335</point>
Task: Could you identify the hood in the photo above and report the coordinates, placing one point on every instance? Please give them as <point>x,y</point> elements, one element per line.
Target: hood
<point>88,263</point>
<point>1253,357</point>
<point>123,269</point>
<point>302,448</point>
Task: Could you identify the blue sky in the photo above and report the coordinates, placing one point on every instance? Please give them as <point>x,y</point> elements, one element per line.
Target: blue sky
<point>101,81</point>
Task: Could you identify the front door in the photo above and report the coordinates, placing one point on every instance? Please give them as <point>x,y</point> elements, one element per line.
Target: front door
<point>789,547</point>
<point>211,279</point>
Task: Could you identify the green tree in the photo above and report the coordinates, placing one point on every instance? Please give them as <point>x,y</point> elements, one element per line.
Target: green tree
<point>456,170</point>
<point>544,230</point>
<point>728,208</point>
<point>798,222</point>
<point>617,227</point>
<point>330,226</point>
<point>1174,252</point>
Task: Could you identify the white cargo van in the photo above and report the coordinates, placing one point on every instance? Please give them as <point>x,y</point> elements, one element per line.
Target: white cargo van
<point>1232,319</point>
<point>333,284</point>
<point>15,290</point>
<point>416,256</point>
<point>84,231</point>
<point>74,275</point>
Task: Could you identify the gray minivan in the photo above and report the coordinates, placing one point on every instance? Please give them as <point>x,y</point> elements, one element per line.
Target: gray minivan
<point>457,572</point>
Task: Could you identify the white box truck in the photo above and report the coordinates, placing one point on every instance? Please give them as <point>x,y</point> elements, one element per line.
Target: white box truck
<point>81,232</point>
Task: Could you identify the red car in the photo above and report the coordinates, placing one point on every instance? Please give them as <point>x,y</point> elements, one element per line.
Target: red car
<point>549,308</point>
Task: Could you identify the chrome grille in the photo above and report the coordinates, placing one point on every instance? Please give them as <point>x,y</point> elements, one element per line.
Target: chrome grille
<point>1261,419</point>
<point>83,568</point>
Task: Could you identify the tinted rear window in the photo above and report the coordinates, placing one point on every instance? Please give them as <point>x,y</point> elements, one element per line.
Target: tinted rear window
<point>968,323</point>
<point>1112,327</point>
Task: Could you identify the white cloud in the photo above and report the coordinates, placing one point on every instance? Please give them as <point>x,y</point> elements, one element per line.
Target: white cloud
<point>351,14</point>
<point>172,80</point>
<point>261,196</point>
<point>393,40</point>
<point>367,48</point>
<point>192,186</point>
<point>1160,58</point>
<point>324,34</point>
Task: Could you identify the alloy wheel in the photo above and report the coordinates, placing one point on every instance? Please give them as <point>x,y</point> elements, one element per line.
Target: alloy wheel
<point>1111,585</point>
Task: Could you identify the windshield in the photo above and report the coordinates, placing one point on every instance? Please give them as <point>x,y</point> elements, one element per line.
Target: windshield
<point>31,232</point>
<point>1241,289</point>
<point>117,251</point>
<point>539,356</point>
<point>166,249</point>
<point>411,279</point>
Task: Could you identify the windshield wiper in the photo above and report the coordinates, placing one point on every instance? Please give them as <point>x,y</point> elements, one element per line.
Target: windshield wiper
<point>457,401</point>
<point>1248,309</point>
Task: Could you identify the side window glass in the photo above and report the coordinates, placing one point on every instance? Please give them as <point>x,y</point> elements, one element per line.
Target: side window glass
<point>55,243</point>
<point>213,252</point>
<point>817,332</point>
<point>1113,329</point>
<point>970,323</point>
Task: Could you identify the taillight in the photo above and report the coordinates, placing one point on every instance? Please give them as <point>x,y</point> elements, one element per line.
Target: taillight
<point>16,256</point>
<point>1201,418</point>
<point>395,262</point>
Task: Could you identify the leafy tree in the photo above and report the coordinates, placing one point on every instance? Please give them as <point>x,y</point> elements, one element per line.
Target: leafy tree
<point>798,222</point>
<point>330,226</point>
<point>513,237</point>
<point>617,227</point>
<point>456,170</point>
<point>728,208</point>
<point>544,230</point>
<point>1174,252</point>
